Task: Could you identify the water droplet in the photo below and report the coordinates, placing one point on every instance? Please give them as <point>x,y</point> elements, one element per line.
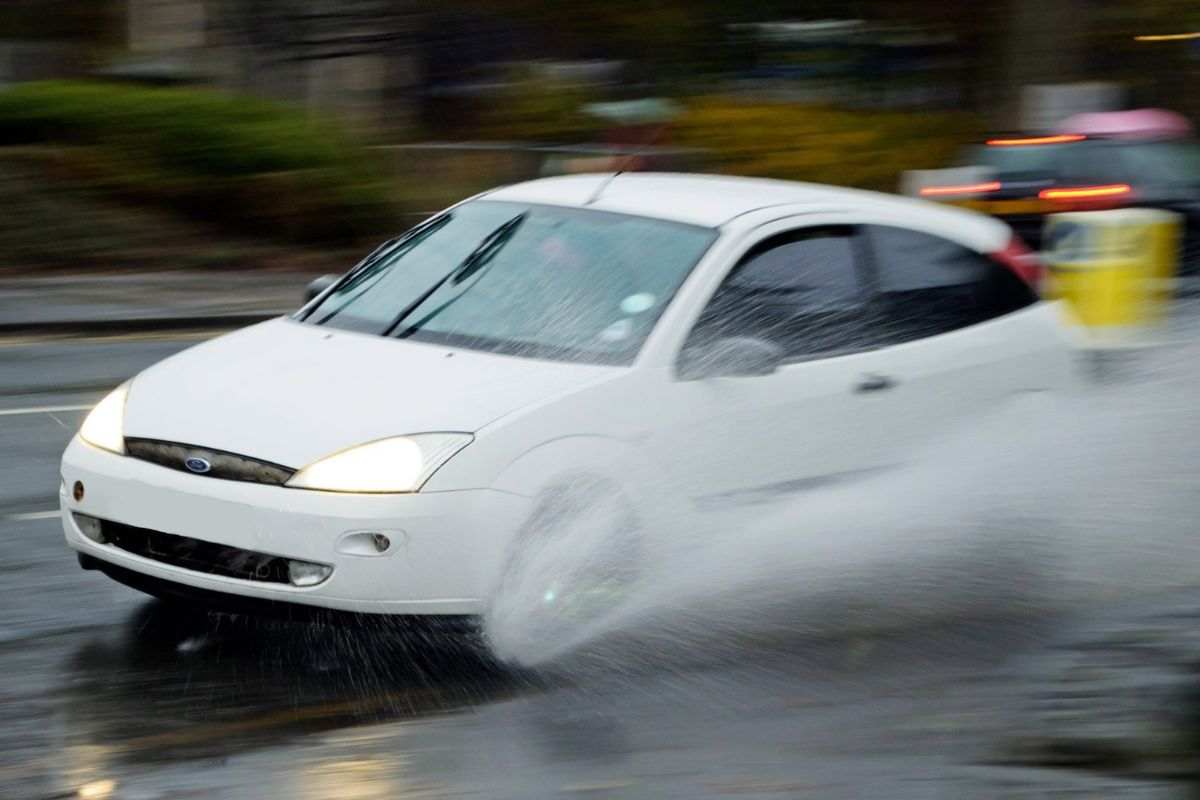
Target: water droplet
<point>637,303</point>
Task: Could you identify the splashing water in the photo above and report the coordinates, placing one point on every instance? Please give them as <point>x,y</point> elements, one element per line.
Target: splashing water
<point>1044,504</point>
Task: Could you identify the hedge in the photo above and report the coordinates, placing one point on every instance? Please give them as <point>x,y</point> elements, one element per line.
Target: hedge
<point>242,161</point>
<point>866,149</point>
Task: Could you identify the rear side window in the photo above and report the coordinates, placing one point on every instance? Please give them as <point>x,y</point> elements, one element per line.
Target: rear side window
<point>801,290</point>
<point>929,285</point>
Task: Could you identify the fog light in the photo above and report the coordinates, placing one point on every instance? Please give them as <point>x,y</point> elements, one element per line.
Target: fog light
<point>305,573</point>
<point>90,527</point>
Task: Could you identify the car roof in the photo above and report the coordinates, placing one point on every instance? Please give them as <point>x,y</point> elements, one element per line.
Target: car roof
<point>716,200</point>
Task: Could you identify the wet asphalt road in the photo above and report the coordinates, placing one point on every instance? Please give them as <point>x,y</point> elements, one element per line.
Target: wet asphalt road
<point>105,693</point>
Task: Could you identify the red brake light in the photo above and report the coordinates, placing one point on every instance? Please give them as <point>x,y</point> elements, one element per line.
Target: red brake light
<point>1060,138</point>
<point>1086,192</point>
<point>1025,263</point>
<point>966,188</point>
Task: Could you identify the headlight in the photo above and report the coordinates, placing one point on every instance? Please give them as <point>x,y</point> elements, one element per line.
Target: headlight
<point>400,464</point>
<point>104,426</point>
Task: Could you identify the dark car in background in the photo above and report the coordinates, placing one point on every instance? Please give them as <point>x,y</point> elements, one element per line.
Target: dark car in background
<point>1022,179</point>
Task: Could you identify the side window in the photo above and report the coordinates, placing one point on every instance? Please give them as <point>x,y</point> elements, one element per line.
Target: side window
<point>800,290</point>
<point>928,285</point>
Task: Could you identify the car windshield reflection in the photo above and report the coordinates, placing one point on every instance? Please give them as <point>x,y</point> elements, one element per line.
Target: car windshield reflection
<point>536,281</point>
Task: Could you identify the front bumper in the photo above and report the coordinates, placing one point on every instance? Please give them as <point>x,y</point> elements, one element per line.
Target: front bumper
<point>446,551</point>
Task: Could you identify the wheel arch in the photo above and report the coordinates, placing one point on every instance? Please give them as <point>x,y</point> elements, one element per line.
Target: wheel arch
<point>566,458</point>
<point>557,463</point>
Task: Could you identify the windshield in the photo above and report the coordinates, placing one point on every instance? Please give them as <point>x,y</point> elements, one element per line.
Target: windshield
<point>537,281</point>
<point>1009,162</point>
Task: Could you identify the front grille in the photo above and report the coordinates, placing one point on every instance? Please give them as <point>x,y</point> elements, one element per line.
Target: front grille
<point>193,554</point>
<point>222,464</point>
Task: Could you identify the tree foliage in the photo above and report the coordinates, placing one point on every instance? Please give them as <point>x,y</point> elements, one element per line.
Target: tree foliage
<point>97,21</point>
<point>239,161</point>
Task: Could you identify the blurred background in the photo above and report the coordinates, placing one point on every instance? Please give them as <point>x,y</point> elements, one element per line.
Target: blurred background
<point>200,133</point>
<point>172,169</point>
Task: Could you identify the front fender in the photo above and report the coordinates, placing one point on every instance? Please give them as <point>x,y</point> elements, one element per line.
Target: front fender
<point>561,461</point>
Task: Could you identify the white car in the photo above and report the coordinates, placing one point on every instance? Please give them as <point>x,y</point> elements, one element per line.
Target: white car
<point>664,342</point>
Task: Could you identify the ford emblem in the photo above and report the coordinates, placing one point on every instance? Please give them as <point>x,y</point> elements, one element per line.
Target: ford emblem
<point>197,465</point>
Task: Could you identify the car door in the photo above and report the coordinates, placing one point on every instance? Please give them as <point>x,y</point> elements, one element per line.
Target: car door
<point>824,415</point>
<point>959,331</point>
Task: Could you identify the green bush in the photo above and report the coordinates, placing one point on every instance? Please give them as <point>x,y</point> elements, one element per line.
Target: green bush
<point>237,160</point>
<point>866,149</point>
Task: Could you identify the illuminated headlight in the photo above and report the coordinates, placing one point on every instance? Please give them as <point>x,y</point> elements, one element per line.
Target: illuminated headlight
<point>104,426</point>
<point>399,464</point>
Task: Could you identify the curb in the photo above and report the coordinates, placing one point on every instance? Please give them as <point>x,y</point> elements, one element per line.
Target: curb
<point>139,324</point>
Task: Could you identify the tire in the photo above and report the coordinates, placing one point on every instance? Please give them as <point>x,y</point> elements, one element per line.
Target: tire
<point>570,570</point>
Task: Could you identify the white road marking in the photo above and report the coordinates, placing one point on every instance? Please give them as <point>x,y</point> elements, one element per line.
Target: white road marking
<point>13,412</point>
<point>32,515</point>
<point>61,424</point>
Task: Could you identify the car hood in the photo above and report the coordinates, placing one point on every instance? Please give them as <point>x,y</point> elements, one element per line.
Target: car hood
<point>292,393</point>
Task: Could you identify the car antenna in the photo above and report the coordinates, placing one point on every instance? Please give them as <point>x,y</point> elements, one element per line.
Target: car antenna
<point>603,185</point>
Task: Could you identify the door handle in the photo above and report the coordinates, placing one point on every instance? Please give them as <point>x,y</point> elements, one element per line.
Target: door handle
<point>874,383</point>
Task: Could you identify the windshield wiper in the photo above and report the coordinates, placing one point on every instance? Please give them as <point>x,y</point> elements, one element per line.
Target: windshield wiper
<point>362,270</point>
<point>479,258</point>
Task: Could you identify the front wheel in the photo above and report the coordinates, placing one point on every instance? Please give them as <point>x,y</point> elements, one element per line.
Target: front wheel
<point>571,569</point>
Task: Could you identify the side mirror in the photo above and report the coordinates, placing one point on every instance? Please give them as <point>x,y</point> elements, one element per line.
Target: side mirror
<point>730,357</point>
<point>318,285</point>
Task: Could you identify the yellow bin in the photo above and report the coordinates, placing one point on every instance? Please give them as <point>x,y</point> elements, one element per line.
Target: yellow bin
<point>1116,268</point>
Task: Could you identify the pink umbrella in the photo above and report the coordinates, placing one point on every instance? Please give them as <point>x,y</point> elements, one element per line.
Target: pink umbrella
<point>1139,123</point>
